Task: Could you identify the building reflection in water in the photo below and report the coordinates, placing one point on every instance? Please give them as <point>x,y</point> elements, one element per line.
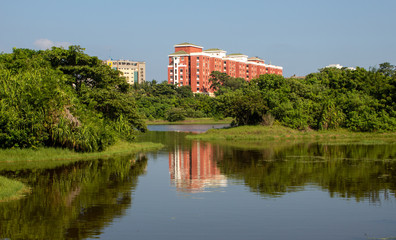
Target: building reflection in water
<point>195,170</point>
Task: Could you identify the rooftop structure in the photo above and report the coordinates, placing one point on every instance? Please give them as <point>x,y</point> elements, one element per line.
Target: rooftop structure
<point>338,66</point>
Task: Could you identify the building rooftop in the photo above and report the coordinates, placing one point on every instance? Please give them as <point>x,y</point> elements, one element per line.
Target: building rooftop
<point>187,44</point>
<point>236,54</point>
<point>179,53</point>
<point>213,49</point>
<point>256,58</point>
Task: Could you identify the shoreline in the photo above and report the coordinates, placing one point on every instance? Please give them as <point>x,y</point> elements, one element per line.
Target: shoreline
<point>281,133</point>
<point>48,158</point>
<point>190,121</point>
<point>17,159</point>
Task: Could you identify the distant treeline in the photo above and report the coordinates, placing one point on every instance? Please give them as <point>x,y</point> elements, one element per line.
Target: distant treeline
<point>359,100</point>
<point>66,98</point>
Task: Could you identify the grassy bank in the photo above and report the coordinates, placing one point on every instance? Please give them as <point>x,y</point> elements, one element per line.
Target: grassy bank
<point>18,159</point>
<point>11,189</point>
<point>273,133</point>
<point>47,158</point>
<point>190,121</point>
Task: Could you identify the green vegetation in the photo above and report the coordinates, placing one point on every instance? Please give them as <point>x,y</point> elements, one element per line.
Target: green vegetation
<point>167,102</point>
<point>359,100</point>
<point>11,189</point>
<point>48,158</point>
<point>19,160</point>
<point>281,133</point>
<point>63,98</point>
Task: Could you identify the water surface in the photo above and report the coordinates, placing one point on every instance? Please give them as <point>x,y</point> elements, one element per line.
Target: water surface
<point>201,190</point>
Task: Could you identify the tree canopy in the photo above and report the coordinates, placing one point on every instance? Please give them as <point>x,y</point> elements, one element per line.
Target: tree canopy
<point>65,98</point>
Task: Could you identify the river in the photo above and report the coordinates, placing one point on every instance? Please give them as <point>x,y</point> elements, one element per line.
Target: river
<point>201,190</point>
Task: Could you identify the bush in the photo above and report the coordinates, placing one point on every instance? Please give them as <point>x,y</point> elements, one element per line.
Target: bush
<point>176,114</point>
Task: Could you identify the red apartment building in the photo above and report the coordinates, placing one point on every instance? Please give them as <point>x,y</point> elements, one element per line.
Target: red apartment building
<point>191,65</point>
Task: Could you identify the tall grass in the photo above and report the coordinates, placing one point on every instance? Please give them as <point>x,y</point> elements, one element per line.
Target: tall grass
<point>19,159</point>
<point>11,189</point>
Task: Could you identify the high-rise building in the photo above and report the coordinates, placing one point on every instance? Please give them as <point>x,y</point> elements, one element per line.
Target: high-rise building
<point>134,72</point>
<point>191,65</point>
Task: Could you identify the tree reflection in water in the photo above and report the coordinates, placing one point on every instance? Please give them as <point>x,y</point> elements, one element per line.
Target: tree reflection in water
<point>76,201</point>
<point>358,171</point>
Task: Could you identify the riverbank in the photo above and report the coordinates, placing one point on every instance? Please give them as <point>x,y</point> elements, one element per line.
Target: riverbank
<point>47,158</point>
<point>273,133</point>
<point>190,121</point>
<point>18,159</point>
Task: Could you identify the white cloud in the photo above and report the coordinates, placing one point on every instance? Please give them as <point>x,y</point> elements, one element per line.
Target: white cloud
<point>46,44</point>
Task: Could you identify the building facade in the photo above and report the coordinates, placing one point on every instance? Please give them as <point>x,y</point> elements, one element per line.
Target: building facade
<point>134,72</point>
<point>191,65</point>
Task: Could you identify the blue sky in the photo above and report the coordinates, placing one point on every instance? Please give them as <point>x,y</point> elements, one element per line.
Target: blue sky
<point>300,35</point>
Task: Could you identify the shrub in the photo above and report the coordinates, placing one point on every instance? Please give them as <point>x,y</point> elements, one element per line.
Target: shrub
<point>176,114</point>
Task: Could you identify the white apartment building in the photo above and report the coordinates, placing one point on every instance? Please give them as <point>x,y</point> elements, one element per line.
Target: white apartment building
<point>133,71</point>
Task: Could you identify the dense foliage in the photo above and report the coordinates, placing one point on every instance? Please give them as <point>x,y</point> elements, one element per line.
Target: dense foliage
<point>166,101</point>
<point>359,100</point>
<point>65,98</point>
